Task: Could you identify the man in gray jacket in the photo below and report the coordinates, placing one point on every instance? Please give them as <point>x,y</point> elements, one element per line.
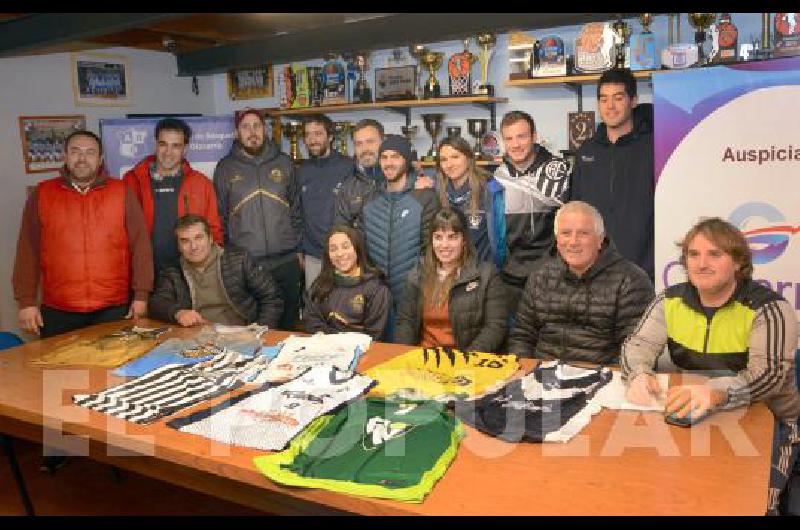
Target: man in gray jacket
<point>582,300</point>
<point>259,207</point>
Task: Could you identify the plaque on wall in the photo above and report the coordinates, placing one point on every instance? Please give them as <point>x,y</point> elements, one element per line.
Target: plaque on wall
<point>395,83</point>
<point>787,34</point>
<point>580,127</point>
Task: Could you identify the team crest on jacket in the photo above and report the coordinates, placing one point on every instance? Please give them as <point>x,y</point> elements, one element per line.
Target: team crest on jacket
<point>236,178</point>
<point>474,221</point>
<point>556,169</point>
<point>471,286</point>
<point>276,175</point>
<point>357,303</point>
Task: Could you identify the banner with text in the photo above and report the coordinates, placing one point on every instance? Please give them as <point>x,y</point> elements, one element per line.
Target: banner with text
<point>727,144</point>
<point>127,141</point>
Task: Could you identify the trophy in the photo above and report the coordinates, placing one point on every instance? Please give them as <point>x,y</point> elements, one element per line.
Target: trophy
<point>432,61</point>
<point>453,131</point>
<point>459,69</point>
<point>486,41</point>
<point>643,46</point>
<point>417,51</point>
<point>787,34</point>
<point>594,48</point>
<point>341,132</point>
<point>477,128</point>
<point>362,92</point>
<point>433,124</point>
<point>724,40</point>
<point>334,82</point>
<point>410,131</point>
<point>293,130</point>
<point>700,22</point>
<point>550,58</point>
<point>622,33</point>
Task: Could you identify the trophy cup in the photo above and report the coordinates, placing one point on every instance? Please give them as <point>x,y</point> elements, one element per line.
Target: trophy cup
<point>459,69</point>
<point>453,131</point>
<point>410,131</point>
<point>622,33</point>
<point>432,61</point>
<point>292,130</point>
<point>341,132</point>
<point>362,92</point>
<point>417,51</point>
<point>477,128</point>
<point>643,46</point>
<point>433,124</point>
<point>486,41</point>
<point>700,22</point>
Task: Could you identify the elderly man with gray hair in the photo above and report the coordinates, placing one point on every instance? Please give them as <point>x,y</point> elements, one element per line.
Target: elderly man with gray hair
<point>582,299</point>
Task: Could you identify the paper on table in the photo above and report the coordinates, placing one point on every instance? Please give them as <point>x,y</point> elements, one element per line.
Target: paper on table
<point>612,395</point>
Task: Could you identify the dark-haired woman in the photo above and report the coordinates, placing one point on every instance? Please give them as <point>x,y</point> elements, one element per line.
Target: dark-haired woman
<point>349,294</point>
<point>452,299</point>
<point>465,186</point>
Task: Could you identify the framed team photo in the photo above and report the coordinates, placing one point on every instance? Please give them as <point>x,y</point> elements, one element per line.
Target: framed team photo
<point>250,83</point>
<point>101,79</point>
<point>43,138</point>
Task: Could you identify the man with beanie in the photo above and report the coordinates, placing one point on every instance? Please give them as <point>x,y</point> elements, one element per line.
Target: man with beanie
<point>397,218</point>
<point>259,207</point>
<point>319,179</point>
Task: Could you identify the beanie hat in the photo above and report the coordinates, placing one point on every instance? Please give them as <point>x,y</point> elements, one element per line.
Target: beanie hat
<point>395,142</point>
<point>239,116</point>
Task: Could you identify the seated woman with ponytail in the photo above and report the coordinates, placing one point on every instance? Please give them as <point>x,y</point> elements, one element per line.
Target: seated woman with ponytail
<point>349,294</point>
<point>451,298</point>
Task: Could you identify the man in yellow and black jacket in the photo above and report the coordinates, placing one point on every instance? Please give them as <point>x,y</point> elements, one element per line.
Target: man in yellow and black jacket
<point>738,332</point>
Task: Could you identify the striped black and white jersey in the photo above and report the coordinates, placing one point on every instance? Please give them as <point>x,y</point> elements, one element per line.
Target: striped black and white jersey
<point>551,404</point>
<point>173,387</point>
<point>269,419</point>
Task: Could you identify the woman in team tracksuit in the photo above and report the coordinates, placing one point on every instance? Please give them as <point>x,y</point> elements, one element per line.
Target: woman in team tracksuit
<point>452,299</point>
<point>463,185</point>
<point>349,294</point>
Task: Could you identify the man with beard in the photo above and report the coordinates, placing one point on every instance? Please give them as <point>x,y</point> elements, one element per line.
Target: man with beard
<point>258,203</point>
<point>397,219</point>
<point>319,180</point>
<point>535,185</point>
<point>614,168</point>
<point>85,234</point>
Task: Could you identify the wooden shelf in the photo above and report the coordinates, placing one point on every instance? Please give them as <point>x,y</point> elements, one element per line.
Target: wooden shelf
<point>579,79</point>
<point>479,163</point>
<point>388,105</point>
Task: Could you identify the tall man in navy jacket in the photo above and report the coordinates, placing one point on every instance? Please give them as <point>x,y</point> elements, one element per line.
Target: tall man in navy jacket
<point>614,169</point>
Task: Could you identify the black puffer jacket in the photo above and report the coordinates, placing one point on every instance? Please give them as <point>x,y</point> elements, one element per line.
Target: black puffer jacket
<point>580,319</point>
<point>477,309</point>
<point>250,290</point>
<point>349,202</point>
<point>354,304</point>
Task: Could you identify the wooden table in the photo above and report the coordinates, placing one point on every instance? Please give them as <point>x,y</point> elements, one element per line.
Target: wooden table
<point>623,462</point>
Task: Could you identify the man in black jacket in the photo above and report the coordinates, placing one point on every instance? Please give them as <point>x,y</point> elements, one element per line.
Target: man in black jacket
<point>614,169</point>
<point>213,284</point>
<point>583,300</point>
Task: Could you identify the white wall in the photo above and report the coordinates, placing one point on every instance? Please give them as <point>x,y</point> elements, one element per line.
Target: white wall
<point>41,85</point>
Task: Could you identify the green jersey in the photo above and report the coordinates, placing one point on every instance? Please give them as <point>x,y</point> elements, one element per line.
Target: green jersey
<point>372,447</point>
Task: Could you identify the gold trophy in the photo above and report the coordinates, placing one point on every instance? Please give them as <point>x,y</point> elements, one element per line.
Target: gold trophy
<point>293,130</point>
<point>486,41</point>
<point>341,132</point>
<point>701,22</point>
<point>432,61</point>
<point>417,51</point>
<point>433,124</point>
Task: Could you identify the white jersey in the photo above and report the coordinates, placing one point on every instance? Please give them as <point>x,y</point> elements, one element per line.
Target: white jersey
<point>299,354</point>
<point>269,419</point>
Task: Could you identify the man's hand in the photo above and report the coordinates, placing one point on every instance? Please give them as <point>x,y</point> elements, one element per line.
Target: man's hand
<point>423,181</point>
<point>138,309</point>
<point>694,399</point>
<point>189,317</point>
<point>643,389</point>
<point>30,319</point>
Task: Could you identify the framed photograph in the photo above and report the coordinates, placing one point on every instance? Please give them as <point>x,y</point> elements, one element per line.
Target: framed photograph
<point>101,79</point>
<point>250,83</point>
<point>43,140</point>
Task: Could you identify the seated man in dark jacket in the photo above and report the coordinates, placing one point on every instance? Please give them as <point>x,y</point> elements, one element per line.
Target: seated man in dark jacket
<point>581,302</point>
<point>213,284</point>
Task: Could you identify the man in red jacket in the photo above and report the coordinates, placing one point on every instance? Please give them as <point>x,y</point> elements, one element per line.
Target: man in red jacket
<point>168,188</point>
<point>84,233</point>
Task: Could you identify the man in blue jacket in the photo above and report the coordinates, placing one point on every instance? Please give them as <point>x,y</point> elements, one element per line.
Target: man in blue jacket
<point>397,219</point>
<point>614,169</point>
<point>319,180</point>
